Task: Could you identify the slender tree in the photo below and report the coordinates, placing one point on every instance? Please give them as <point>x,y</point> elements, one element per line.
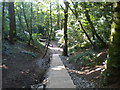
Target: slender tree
<point>19,15</point>
<point>3,5</point>
<point>30,30</point>
<point>25,16</point>
<point>51,23</point>
<point>65,48</point>
<point>12,32</point>
<point>49,33</point>
<point>58,16</point>
<point>113,63</point>
<point>93,28</point>
<point>76,15</point>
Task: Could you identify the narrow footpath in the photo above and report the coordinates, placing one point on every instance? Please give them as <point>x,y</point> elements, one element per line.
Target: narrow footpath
<point>58,76</point>
<point>60,64</point>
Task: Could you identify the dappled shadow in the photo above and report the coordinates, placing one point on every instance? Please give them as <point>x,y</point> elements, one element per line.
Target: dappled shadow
<point>90,74</point>
<point>55,49</point>
<point>87,70</point>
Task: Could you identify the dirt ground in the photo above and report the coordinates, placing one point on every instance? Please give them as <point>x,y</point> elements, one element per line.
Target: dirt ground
<point>91,76</point>
<point>20,67</point>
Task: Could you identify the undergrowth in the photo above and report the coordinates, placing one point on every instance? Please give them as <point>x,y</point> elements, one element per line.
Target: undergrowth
<point>86,58</point>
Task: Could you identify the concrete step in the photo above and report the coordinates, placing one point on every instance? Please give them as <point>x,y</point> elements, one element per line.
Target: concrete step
<point>58,76</point>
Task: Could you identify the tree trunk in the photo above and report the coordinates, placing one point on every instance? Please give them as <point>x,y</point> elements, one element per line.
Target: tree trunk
<point>49,33</point>
<point>19,14</point>
<point>12,32</point>
<point>25,16</point>
<point>30,30</point>
<point>86,34</point>
<point>93,28</point>
<point>65,48</point>
<point>3,17</point>
<point>76,15</point>
<point>51,26</point>
<point>58,17</point>
<point>113,63</point>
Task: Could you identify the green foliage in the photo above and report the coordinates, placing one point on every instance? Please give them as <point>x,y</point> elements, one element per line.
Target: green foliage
<point>79,46</point>
<point>100,17</point>
<point>22,36</point>
<point>74,48</point>
<point>36,43</point>
<point>84,59</point>
<point>99,14</point>
<point>85,45</point>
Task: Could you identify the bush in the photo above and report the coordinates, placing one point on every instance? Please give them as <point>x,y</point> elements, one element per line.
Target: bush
<point>84,59</point>
<point>74,49</point>
<point>36,43</point>
<point>22,37</point>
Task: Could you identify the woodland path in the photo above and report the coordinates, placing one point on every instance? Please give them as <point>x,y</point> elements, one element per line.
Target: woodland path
<point>55,49</point>
<point>58,76</point>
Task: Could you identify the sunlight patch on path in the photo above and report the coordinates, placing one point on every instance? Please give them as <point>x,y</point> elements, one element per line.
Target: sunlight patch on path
<point>58,68</point>
<point>56,49</point>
